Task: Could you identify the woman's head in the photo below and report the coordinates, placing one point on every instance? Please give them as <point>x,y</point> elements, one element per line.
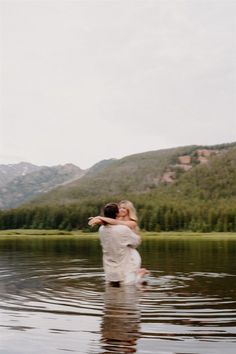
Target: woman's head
<point>126,208</point>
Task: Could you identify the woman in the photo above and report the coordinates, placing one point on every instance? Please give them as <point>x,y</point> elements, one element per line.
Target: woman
<point>127,216</point>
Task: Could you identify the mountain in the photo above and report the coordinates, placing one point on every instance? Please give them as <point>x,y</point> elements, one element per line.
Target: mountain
<point>183,172</point>
<point>188,169</point>
<point>9,172</point>
<point>30,181</point>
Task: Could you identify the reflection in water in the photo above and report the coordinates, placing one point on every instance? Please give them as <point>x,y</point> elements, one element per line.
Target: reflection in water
<point>121,319</point>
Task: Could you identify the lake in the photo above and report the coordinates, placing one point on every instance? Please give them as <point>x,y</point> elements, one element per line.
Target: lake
<point>53,298</point>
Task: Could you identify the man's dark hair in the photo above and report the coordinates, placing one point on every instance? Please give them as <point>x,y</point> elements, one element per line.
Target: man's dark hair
<point>111,210</point>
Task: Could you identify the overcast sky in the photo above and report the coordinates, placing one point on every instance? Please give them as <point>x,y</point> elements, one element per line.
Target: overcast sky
<point>83,81</point>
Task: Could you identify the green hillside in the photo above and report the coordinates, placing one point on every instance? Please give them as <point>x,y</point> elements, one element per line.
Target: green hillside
<point>143,173</point>
<point>213,181</point>
<point>138,173</point>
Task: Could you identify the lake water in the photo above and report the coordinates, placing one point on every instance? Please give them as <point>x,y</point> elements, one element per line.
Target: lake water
<point>53,298</point>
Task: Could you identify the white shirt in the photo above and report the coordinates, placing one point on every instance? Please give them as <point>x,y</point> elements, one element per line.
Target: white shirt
<point>117,242</point>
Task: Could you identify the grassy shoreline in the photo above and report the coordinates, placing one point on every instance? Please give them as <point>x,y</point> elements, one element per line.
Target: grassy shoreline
<point>79,233</point>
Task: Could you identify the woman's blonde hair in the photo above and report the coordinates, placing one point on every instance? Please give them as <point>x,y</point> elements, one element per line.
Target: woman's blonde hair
<point>131,209</point>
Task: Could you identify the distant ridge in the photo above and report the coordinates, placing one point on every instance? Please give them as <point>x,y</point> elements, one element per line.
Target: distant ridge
<point>11,171</point>
<point>99,166</point>
<point>25,181</point>
<point>189,171</point>
<point>146,173</point>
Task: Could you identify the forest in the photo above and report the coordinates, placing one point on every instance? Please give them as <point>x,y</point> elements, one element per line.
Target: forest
<point>153,216</point>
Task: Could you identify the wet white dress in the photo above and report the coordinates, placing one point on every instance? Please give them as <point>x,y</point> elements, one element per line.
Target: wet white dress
<point>132,277</point>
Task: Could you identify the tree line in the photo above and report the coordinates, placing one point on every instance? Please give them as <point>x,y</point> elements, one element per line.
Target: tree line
<point>153,216</point>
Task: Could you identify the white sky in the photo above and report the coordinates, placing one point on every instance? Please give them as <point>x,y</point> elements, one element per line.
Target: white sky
<point>83,81</point>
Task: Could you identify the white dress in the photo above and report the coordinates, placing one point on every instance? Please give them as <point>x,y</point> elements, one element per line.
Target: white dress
<point>131,277</point>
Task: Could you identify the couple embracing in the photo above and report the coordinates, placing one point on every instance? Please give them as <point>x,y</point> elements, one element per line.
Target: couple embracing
<point>119,238</point>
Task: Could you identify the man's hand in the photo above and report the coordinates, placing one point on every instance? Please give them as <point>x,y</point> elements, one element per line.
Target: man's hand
<point>94,221</point>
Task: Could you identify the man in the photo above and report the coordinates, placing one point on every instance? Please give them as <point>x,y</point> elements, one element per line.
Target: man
<point>116,242</point>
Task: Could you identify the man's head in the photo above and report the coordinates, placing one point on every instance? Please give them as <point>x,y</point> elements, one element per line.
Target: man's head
<point>111,210</point>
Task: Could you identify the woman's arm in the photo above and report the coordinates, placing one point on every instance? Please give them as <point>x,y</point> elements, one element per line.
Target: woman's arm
<point>98,220</point>
<point>103,219</point>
